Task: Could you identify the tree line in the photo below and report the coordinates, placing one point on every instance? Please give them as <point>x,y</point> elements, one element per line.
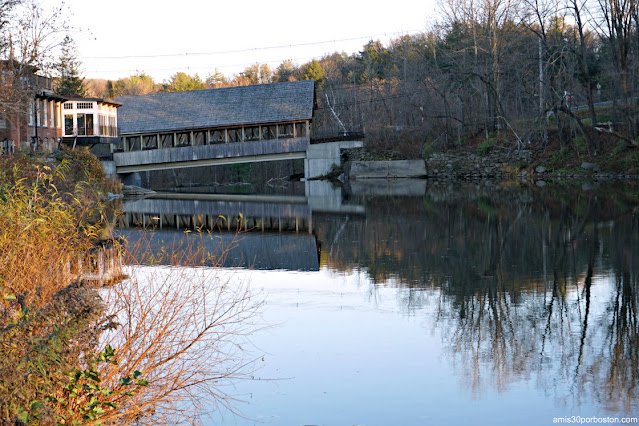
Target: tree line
<point>485,66</point>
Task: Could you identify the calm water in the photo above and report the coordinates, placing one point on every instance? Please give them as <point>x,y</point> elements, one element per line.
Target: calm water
<point>444,305</point>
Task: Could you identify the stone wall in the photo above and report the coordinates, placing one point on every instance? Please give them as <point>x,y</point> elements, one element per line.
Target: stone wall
<point>384,169</point>
<point>469,165</point>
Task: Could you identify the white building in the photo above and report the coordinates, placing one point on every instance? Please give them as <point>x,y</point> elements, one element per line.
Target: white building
<point>90,121</point>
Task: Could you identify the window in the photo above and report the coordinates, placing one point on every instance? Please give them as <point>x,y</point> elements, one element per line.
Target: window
<point>82,130</point>
<point>90,129</point>
<point>285,131</point>
<point>183,139</point>
<point>166,141</point>
<point>68,105</point>
<point>31,119</point>
<point>85,105</point>
<point>68,125</point>
<point>252,133</point>
<point>3,123</point>
<point>52,114</point>
<point>217,136</point>
<point>45,113</point>
<point>199,138</point>
<point>102,128</point>
<point>269,132</point>
<point>235,135</point>
<point>300,130</point>
<point>132,143</point>
<point>150,142</point>
<point>113,129</point>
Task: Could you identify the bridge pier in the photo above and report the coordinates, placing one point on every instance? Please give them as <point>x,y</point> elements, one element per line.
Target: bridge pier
<point>321,157</point>
<point>131,179</point>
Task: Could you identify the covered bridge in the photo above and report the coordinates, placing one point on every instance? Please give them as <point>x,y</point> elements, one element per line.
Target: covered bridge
<point>216,126</point>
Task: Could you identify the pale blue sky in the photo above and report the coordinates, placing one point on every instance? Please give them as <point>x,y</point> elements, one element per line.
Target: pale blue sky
<point>122,37</point>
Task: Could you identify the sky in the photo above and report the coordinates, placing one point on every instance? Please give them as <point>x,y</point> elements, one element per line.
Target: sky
<point>118,38</point>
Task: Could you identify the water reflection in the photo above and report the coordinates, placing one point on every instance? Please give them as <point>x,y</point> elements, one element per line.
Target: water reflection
<point>524,286</point>
<point>532,286</point>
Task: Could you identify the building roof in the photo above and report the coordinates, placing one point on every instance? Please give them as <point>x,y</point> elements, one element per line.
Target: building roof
<point>98,100</point>
<point>197,109</point>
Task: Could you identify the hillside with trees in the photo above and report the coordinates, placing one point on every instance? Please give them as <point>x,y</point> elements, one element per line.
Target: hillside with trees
<point>531,73</point>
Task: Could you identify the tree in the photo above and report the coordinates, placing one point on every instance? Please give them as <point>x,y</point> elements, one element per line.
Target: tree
<point>140,84</point>
<point>255,74</point>
<point>621,27</point>
<point>69,82</point>
<point>285,71</point>
<point>29,36</point>
<point>314,71</point>
<point>182,82</point>
<point>215,79</point>
<point>579,11</point>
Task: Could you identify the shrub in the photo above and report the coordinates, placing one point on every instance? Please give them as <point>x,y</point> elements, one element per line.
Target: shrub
<point>486,146</point>
<point>178,326</point>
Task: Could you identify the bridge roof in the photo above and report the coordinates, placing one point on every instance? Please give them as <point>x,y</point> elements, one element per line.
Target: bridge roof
<point>197,109</point>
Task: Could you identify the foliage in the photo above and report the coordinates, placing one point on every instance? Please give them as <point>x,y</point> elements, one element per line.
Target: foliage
<point>181,327</point>
<point>559,159</point>
<point>580,144</point>
<point>181,82</point>
<point>427,151</point>
<point>314,71</point>
<point>286,71</point>
<point>140,84</point>
<point>215,79</point>
<point>46,324</point>
<point>254,74</point>
<point>486,146</point>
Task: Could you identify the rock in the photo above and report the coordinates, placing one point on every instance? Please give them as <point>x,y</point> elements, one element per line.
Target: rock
<point>540,183</point>
<point>587,166</point>
<point>540,169</point>
<point>587,186</point>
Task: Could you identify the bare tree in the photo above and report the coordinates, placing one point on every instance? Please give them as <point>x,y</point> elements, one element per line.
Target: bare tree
<point>580,12</point>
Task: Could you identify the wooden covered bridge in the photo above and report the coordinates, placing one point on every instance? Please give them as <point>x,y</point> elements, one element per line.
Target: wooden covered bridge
<point>268,122</point>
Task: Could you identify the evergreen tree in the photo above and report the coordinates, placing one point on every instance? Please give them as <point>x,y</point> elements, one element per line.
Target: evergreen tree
<point>69,82</point>
<point>182,82</point>
<point>314,71</point>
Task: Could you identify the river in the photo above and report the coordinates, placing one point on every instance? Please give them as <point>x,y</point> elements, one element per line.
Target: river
<point>418,303</point>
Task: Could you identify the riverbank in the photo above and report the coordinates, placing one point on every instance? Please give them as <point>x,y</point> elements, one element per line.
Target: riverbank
<point>50,318</point>
<point>501,159</point>
<point>57,325</point>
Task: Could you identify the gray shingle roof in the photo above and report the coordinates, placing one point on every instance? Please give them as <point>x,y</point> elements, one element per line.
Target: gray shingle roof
<point>265,103</point>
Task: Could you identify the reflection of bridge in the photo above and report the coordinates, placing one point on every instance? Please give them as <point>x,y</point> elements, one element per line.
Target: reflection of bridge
<point>220,212</point>
<point>265,213</point>
<point>248,250</point>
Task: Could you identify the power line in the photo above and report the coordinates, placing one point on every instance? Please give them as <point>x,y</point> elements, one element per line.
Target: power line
<point>249,49</point>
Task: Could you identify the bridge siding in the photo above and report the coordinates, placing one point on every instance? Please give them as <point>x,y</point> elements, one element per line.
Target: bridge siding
<point>205,152</point>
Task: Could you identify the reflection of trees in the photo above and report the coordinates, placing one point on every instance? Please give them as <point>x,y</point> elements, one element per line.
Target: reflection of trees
<point>577,345</point>
<point>544,290</point>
